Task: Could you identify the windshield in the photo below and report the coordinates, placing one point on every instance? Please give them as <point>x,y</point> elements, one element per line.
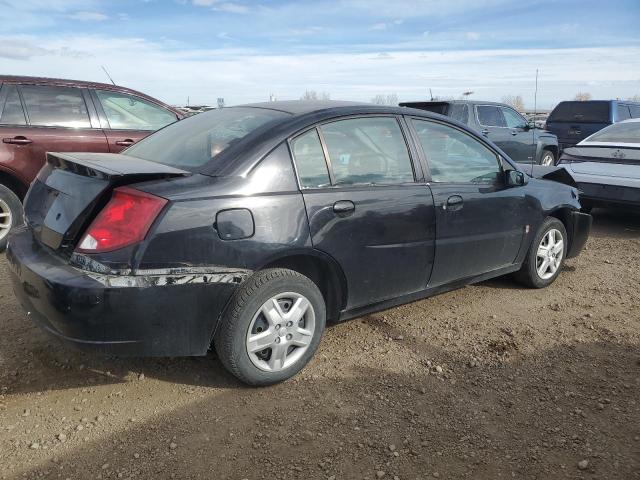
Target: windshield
<point>585,112</point>
<point>195,141</point>
<point>626,132</point>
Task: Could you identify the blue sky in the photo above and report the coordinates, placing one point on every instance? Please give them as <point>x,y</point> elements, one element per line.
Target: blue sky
<point>352,49</point>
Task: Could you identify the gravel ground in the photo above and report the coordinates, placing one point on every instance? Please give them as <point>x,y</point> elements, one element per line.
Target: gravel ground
<point>491,381</point>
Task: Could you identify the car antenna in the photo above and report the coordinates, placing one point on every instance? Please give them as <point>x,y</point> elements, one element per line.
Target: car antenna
<point>431,94</point>
<point>105,71</point>
<point>533,130</point>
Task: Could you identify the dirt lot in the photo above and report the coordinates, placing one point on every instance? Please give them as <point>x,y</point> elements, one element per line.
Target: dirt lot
<point>492,381</point>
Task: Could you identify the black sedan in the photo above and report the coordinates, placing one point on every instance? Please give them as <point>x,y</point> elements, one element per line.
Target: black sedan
<point>249,228</point>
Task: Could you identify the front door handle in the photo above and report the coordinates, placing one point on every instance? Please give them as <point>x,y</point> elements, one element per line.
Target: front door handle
<point>344,206</point>
<point>125,143</point>
<point>485,132</point>
<point>454,202</point>
<point>514,133</point>
<point>18,140</point>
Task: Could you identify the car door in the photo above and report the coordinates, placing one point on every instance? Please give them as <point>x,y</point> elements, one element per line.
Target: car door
<point>127,118</point>
<point>45,119</point>
<point>365,207</point>
<point>522,144</point>
<point>479,220</point>
<point>493,126</point>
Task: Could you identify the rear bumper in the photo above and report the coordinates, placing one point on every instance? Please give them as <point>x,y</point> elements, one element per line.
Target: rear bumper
<point>603,194</point>
<point>580,224</point>
<point>136,315</point>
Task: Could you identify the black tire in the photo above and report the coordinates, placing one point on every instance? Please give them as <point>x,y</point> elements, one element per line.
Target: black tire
<point>528,274</point>
<point>548,154</point>
<point>230,339</point>
<point>9,201</point>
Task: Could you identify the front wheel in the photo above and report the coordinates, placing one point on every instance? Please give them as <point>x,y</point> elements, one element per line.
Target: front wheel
<point>272,327</point>
<point>548,158</point>
<point>545,256</point>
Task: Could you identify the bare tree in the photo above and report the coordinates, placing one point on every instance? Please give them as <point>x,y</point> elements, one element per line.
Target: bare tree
<point>582,96</point>
<point>313,95</point>
<point>389,99</point>
<point>635,98</point>
<point>514,101</point>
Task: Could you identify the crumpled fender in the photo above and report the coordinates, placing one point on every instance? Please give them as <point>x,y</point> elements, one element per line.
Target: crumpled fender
<point>554,173</point>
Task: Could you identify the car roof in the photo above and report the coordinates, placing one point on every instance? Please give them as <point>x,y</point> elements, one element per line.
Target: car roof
<point>299,107</point>
<point>442,102</point>
<point>63,82</point>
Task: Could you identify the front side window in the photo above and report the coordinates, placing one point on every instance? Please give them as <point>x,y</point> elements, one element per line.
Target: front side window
<point>635,111</point>
<point>367,151</point>
<point>55,106</point>
<point>126,112</point>
<point>513,119</point>
<point>490,116</point>
<point>454,156</point>
<point>195,141</point>
<point>12,113</point>
<point>310,161</point>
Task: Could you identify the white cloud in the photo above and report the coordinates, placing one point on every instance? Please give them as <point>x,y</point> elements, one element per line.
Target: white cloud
<point>473,36</point>
<point>89,16</point>
<point>171,72</point>
<point>379,26</point>
<point>230,7</point>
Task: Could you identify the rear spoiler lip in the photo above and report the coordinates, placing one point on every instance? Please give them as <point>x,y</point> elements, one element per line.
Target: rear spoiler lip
<point>110,165</point>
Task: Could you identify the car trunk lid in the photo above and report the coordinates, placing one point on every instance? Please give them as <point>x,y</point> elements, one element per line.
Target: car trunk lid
<point>72,187</point>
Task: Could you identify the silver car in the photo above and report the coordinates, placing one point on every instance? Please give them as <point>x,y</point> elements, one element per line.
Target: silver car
<point>606,165</point>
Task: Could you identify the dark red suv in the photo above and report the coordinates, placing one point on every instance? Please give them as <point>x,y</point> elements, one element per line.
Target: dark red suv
<point>39,115</point>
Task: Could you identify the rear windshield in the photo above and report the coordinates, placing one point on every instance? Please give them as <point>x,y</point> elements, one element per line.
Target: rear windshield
<point>618,133</point>
<point>440,108</point>
<point>581,112</point>
<point>193,142</point>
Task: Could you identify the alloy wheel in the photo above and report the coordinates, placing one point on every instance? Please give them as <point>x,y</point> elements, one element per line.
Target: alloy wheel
<point>547,159</point>
<point>549,254</point>
<point>280,332</point>
<point>5,219</point>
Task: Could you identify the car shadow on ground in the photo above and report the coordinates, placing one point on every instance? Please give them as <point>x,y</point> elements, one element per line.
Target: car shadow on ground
<point>532,417</point>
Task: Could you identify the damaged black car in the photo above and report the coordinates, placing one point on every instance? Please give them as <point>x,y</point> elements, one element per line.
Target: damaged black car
<point>247,229</point>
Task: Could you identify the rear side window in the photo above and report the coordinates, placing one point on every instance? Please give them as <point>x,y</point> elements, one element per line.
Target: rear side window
<point>55,106</point>
<point>581,112</point>
<point>454,156</point>
<point>459,112</point>
<point>310,161</point>
<point>490,116</point>
<point>12,113</point>
<point>367,151</point>
<point>623,112</point>
<point>126,112</point>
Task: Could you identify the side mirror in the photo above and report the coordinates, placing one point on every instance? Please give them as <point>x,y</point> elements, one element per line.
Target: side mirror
<point>516,178</point>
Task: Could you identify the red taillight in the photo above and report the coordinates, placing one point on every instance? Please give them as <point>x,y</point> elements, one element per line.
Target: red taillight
<point>125,220</point>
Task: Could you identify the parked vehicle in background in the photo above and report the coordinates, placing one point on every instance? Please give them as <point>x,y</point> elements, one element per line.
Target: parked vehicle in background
<point>573,121</point>
<point>39,115</point>
<point>501,124</point>
<point>606,165</point>
<point>253,226</point>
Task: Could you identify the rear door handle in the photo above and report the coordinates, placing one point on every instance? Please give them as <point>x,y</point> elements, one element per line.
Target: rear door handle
<point>18,140</point>
<point>454,202</point>
<point>344,206</point>
<point>125,143</point>
<point>485,132</point>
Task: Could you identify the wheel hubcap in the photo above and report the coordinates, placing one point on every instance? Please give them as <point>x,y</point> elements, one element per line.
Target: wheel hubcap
<point>547,159</point>
<point>280,332</point>
<point>549,255</point>
<point>5,219</point>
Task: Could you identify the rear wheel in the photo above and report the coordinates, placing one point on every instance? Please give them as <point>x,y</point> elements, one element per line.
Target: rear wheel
<point>10,214</point>
<point>272,327</point>
<point>548,158</point>
<point>545,256</point>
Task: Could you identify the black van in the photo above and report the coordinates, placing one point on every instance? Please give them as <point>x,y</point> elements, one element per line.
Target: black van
<point>574,121</point>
